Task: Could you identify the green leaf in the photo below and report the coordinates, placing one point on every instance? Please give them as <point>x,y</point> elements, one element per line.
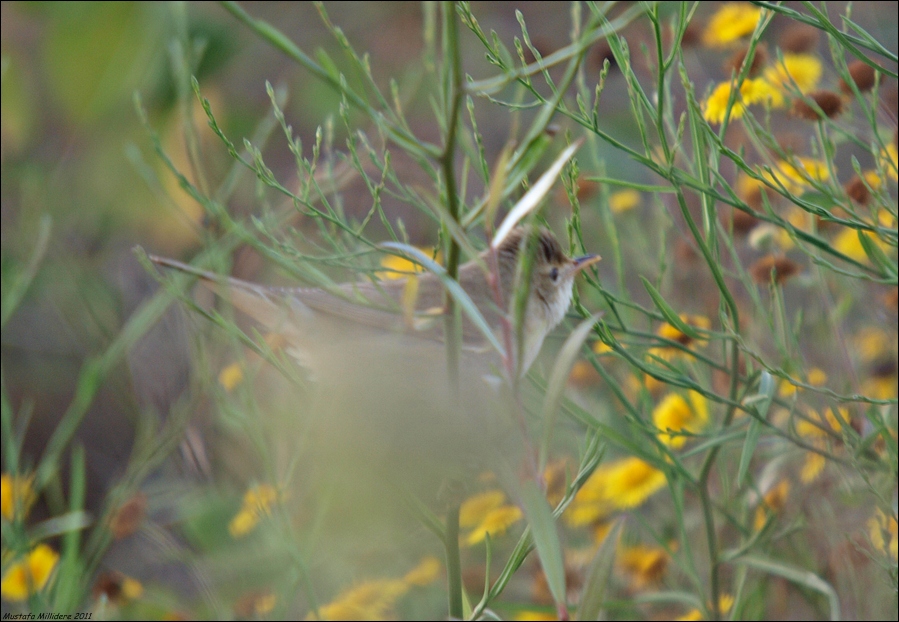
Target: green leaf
<point>599,574</point>
<point>767,390</point>
<point>20,281</point>
<point>546,540</point>
<point>557,380</point>
<point>798,576</point>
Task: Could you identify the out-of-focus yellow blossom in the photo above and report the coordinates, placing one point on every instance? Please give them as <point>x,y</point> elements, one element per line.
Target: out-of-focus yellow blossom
<point>674,415</point>
<point>724,604</point>
<point>425,573</point>
<point>798,176</point>
<point>752,91</point>
<point>848,242</point>
<point>496,522</point>
<point>600,347</point>
<point>730,23</point>
<point>619,485</point>
<point>117,588</point>
<point>375,599</point>
<point>768,237</point>
<point>623,201</point>
<point>672,333</point>
<point>257,502</point>
<point>645,565</point>
<point>871,343</point>
<point>760,91</point>
<point>16,490</point>
<point>231,376</point>
<point>889,160</point>
<point>884,533</point>
<point>370,600</point>
<point>816,377</point>
<point>812,467</point>
<point>802,69</point>
<point>396,267</point>
<point>556,477</point>
<point>773,502</point>
<point>814,428</point>
<point>535,616</point>
<point>255,603</point>
<point>477,506</point>
<point>30,575</point>
<point>583,375</point>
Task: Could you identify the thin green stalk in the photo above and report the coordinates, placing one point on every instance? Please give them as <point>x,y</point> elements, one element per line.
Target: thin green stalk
<point>454,93</point>
<point>453,562</point>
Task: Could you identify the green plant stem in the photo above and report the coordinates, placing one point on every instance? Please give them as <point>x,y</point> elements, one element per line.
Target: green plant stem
<point>453,562</point>
<point>709,462</point>
<point>454,93</point>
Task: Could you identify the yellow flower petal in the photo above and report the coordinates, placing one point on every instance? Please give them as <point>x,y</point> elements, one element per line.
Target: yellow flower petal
<point>231,376</point>
<point>426,572</point>
<point>674,414</point>
<point>623,201</point>
<point>802,69</point>
<point>30,575</point>
<point>476,507</point>
<point>496,523</point>
<point>730,23</point>
<point>15,490</point>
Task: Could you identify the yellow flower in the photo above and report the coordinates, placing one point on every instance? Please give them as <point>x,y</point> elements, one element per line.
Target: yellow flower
<point>672,333</point>
<point>724,604</point>
<point>815,428</point>
<point>255,603</point>
<point>849,243</point>
<point>882,527</point>
<point>535,616</point>
<point>231,376</point>
<point>496,522</point>
<point>375,599</point>
<point>117,588</point>
<point>816,377</point>
<point>756,91</point>
<point>889,157</point>
<point>396,267</point>
<point>815,425</point>
<point>475,508</point>
<point>760,91</point>
<point>632,481</point>
<point>620,485</point>
<point>730,23</point>
<point>370,600</point>
<point>674,415</point>
<point>16,493</point>
<point>257,501</point>
<point>30,575</point>
<point>773,502</point>
<point>427,571</point>
<point>812,467</point>
<point>646,565</point>
<point>556,475</point>
<point>623,201</point>
<point>802,69</point>
<point>800,174</point>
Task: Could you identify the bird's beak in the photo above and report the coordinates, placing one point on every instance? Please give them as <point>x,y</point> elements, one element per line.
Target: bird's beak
<point>582,262</point>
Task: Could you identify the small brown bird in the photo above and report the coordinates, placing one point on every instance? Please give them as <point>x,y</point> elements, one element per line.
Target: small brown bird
<point>381,398</point>
<point>312,319</point>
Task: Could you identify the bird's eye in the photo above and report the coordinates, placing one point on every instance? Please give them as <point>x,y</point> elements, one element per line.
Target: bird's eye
<point>554,274</point>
